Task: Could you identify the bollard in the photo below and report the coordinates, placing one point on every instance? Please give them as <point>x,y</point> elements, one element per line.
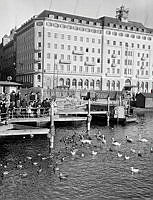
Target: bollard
<point>89,117</point>
<point>52,129</point>
<point>108,112</point>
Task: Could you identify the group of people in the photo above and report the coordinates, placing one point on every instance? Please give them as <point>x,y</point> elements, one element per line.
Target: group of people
<point>27,105</point>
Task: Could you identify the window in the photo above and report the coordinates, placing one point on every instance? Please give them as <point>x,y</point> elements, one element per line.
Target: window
<point>143,46</point>
<point>148,46</point>
<point>75,48</point>
<point>62,67</point>
<point>126,44</point>
<point>39,78</point>
<point>49,34</point>
<point>108,42</point>
<point>138,46</point>
<point>92,69</point>
<point>62,36</point>
<point>39,34</point>
<point>87,50</point>
<point>39,44</point>
<point>74,68</point>
<point>48,45</point>
<point>80,68</point>
<point>118,71</point>
<point>62,46</point>
<point>86,69</point>
<point>62,56</point>
<point>118,52</point>
<point>81,58</point>
<point>48,55</point>
<point>74,82</point>
<point>132,45</point>
<point>87,59</point>
<point>68,68</point>
<point>138,63</point>
<point>98,50</point>
<point>87,39</point>
<point>69,37</point>
<point>68,57</point>
<point>120,43</point>
<point>108,51</point>
<point>93,50</point>
<point>93,40</point>
<point>114,42</point>
<point>55,35</point>
<point>68,47</point>
<point>75,38</point>
<point>81,39</point>
<point>108,60</point>
<point>98,60</point>
<point>74,58</point>
<point>99,41</point>
<point>39,65</point>
<point>39,55</point>
<point>55,46</point>
<point>118,61</point>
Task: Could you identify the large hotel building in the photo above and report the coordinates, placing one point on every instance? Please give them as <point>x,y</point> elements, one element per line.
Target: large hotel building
<point>56,49</point>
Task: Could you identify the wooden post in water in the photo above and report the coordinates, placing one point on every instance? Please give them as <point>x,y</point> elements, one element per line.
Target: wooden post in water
<point>52,128</point>
<point>88,116</point>
<point>108,111</point>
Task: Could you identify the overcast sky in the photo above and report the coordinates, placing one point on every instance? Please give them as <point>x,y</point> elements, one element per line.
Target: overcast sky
<point>16,12</point>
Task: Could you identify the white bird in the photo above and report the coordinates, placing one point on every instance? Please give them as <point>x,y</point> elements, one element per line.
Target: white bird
<point>29,157</point>
<point>129,139</point>
<point>133,150</point>
<point>103,140</point>
<point>126,157</point>
<point>133,170</point>
<point>74,152</point>
<point>119,155</point>
<point>35,163</point>
<point>82,155</point>
<point>6,172</point>
<point>142,139</point>
<point>84,141</point>
<point>94,153</point>
<point>115,143</point>
<point>62,177</point>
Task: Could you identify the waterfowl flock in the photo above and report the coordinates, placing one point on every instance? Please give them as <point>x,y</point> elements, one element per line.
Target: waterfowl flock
<point>74,147</point>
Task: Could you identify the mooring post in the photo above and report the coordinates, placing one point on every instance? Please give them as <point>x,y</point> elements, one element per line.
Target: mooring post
<point>108,111</point>
<point>88,116</point>
<point>52,128</point>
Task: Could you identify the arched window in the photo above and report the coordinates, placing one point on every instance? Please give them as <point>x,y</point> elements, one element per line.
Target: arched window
<point>138,85</point>
<point>86,83</point>
<point>74,83</point>
<point>92,84</point>
<point>80,83</point>
<point>118,85</point>
<point>39,78</point>
<point>61,82</point>
<point>98,84</point>
<point>127,82</point>
<point>68,82</point>
<point>108,85</point>
<point>113,85</point>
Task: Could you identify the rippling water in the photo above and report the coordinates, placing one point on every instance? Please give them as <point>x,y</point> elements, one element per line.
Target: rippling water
<point>104,176</point>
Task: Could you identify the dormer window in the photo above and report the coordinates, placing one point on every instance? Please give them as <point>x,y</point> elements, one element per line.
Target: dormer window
<point>126,27</point>
<point>87,22</point>
<point>131,28</point>
<point>80,21</point>
<point>120,26</point>
<point>137,29</point>
<point>108,24</point>
<point>114,25</point>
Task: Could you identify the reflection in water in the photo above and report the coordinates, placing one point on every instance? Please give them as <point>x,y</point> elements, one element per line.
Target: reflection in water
<point>76,171</point>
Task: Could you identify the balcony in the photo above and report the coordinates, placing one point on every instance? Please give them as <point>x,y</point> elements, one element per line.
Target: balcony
<point>143,58</point>
<point>36,50</point>
<point>62,61</point>
<point>113,65</point>
<point>113,55</point>
<point>77,52</point>
<point>90,63</point>
<point>37,60</point>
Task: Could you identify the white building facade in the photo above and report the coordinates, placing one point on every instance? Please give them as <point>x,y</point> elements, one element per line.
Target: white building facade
<point>56,49</point>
